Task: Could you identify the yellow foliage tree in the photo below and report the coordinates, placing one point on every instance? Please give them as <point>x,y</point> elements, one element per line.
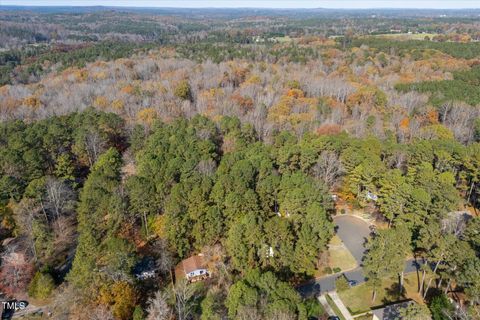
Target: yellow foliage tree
<point>32,102</point>
<point>367,96</point>
<point>118,105</point>
<point>159,226</point>
<point>100,102</point>
<point>120,297</point>
<point>147,116</point>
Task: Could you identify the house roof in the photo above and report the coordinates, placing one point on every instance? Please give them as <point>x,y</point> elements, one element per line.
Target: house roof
<point>391,312</point>
<point>189,265</point>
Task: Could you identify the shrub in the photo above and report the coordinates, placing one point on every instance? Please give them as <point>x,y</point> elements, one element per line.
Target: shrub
<point>314,309</point>
<point>439,307</point>
<point>183,91</point>
<point>341,283</point>
<point>41,285</point>
<point>138,313</point>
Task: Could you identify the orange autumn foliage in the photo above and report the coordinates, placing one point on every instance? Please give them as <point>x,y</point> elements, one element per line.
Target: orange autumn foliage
<point>328,129</point>
<point>245,102</point>
<point>32,102</point>
<point>405,123</point>
<point>128,89</point>
<point>432,116</point>
<point>295,93</point>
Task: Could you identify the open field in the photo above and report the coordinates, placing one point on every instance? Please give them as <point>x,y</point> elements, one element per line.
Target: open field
<point>282,39</point>
<point>406,36</point>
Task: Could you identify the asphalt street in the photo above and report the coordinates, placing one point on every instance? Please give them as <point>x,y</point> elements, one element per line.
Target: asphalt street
<point>354,233</point>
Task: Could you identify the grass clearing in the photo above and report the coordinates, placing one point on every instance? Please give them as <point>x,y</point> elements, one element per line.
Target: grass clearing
<point>340,256</point>
<point>407,36</point>
<point>359,298</point>
<point>282,39</point>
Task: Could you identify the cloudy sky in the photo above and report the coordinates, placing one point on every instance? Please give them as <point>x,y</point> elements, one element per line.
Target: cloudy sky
<point>259,3</point>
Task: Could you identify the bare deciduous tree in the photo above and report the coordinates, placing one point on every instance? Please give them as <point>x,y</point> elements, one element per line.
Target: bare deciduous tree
<point>59,197</point>
<point>164,258</point>
<point>248,313</point>
<point>158,308</point>
<point>328,168</point>
<point>283,315</point>
<point>94,146</point>
<point>184,299</point>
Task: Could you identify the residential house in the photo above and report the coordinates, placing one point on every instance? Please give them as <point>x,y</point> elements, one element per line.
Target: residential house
<point>193,269</point>
<point>390,312</point>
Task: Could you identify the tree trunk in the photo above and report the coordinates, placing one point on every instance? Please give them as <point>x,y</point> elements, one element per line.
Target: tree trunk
<point>448,286</point>
<point>400,287</point>
<point>422,284</point>
<point>374,294</point>
<point>471,190</point>
<point>146,224</point>
<point>430,281</point>
<point>44,211</point>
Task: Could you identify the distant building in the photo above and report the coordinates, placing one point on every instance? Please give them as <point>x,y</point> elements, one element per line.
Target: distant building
<point>391,312</point>
<point>193,269</point>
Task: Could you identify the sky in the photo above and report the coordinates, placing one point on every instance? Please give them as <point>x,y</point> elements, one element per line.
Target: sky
<point>438,4</point>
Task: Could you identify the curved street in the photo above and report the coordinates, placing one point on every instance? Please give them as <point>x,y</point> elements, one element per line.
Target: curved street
<point>354,232</point>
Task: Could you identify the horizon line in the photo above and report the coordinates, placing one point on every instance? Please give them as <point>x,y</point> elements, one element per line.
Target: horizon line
<point>231,8</point>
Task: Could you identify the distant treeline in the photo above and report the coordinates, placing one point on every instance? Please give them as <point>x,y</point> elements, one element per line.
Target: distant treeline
<point>21,65</point>
<point>465,86</point>
<point>457,50</point>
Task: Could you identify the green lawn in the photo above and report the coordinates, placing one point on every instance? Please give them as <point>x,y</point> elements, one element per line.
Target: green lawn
<point>359,298</point>
<point>368,316</point>
<point>339,256</point>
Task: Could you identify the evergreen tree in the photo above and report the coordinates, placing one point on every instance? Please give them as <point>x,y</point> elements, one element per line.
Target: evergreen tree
<point>100,213</point>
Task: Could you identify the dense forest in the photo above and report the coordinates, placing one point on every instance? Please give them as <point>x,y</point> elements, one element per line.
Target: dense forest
<point>160,137</point>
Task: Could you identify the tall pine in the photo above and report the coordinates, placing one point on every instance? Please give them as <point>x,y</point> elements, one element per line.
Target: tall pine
<point>99,216</point>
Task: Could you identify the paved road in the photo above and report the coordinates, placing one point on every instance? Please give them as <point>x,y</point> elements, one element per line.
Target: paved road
<point>326,284</point>
<point>354,232</point>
